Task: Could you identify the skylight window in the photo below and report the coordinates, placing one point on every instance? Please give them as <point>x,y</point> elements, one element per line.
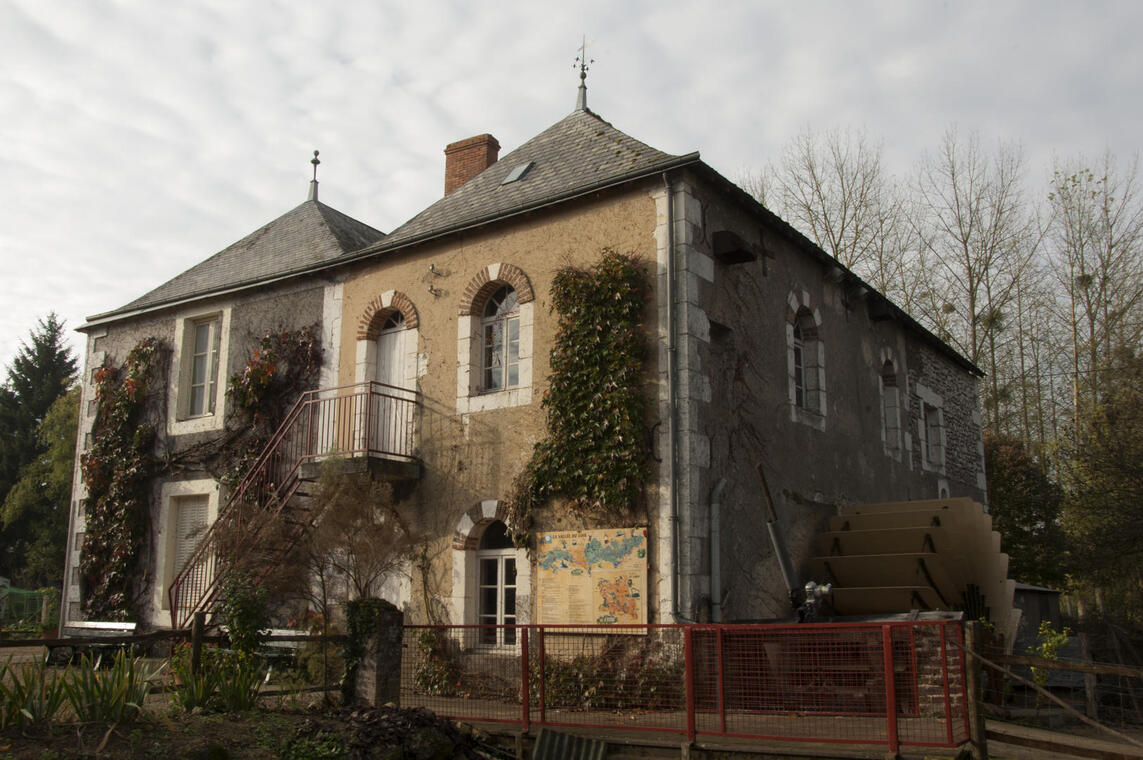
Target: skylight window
<point>517,173</point>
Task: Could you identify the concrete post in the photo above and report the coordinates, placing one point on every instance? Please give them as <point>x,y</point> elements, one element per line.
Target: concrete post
<point>379,673</point>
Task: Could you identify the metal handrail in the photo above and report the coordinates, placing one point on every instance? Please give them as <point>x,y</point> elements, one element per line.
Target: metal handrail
<point>370,418</point>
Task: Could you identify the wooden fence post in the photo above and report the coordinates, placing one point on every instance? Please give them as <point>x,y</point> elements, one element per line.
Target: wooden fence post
<point>1090,682</point>
<point>198,626</point>
<point>974,683</point>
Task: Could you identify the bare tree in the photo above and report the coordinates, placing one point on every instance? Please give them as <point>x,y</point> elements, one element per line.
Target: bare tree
<point>1097,257</point>
<point>832,186</point>
<point>974,222</point>
<point>360,539</point>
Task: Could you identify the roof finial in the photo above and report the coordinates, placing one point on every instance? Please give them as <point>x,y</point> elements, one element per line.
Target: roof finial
<point>314,182</point>
<point>583,63</point>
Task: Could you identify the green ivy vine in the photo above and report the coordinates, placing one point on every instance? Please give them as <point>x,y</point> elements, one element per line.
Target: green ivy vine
<point>117,470</point>
<point>594,454</point>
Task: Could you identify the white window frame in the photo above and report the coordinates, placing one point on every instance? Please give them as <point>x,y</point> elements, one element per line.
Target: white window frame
<point>495,356</point>
<point>498,616</point>
<point>464,602</point>
<point>205,356</point>
<point>180,420</point>
<point>805,362</point>
<point>171,494</point>
<point>471,396</point>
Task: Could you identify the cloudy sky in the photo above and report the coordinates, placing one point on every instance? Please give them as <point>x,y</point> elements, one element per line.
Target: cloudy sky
<point>137,138</point>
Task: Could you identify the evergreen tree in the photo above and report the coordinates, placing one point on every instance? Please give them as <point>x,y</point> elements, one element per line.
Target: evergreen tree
<point>38,502</point>
<point>40,373</point>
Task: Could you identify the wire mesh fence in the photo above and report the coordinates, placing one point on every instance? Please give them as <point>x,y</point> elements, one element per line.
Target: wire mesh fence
<point>799,682</point>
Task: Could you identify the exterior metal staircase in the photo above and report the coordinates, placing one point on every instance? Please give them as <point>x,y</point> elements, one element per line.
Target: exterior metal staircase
<point>266,514</point>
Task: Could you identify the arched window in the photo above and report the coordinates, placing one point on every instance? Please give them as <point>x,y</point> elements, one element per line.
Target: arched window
<point>500,333</point>
<point>494,340</point>
<point>805,361</point>
<point>807,387</point>
<point>799,348</point>
<point>496,585</point>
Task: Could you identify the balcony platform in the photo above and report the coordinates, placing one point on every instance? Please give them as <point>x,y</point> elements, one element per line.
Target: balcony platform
<point>386,468</point>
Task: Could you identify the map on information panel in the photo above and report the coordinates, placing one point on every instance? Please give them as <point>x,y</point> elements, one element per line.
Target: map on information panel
<point>592,576</point>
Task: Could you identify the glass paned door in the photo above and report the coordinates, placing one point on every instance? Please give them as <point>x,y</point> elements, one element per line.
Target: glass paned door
<point>497,597</point>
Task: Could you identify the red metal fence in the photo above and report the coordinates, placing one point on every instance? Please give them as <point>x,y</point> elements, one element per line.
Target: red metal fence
<point>899,683</point>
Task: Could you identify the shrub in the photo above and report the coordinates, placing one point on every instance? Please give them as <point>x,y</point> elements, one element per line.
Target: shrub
<point>245,611</point>
<point>436,673</point>
<point>28,695</point>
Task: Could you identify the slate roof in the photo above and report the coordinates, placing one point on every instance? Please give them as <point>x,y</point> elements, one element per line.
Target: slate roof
<point>306,237</point>
<point>578,154</point>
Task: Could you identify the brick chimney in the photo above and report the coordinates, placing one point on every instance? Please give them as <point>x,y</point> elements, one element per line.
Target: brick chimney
<point>467,158</point>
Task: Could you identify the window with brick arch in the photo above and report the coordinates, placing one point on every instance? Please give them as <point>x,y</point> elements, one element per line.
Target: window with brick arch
<point>500,340</point>
<point>496,591</point>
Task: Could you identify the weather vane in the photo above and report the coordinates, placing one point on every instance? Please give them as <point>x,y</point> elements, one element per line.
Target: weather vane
<point>583,63</point>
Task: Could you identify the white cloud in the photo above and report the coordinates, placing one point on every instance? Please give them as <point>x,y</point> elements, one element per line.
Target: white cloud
<point>140,138</point>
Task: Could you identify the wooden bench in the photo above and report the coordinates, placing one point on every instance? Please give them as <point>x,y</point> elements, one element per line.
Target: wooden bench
<point>101,639</point>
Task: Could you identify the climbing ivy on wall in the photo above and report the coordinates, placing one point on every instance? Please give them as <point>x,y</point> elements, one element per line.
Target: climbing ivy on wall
<point>594,454</point>
<point>117,470</point>
<point>119,467</point>
<point>283,365</point>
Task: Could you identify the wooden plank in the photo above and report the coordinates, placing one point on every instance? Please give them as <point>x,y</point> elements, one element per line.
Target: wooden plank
<point>1059,746</point>
<point>1075,667</point>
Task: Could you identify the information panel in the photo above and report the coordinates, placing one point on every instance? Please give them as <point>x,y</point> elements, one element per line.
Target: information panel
<point>592,576</point>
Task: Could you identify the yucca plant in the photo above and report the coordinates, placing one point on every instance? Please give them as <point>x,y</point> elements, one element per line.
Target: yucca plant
<point>29,694</point>
<point>109,696</point>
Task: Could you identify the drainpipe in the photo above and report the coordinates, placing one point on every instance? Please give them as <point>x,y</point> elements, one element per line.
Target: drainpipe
<point>715,556</point>
<point>672,401</point>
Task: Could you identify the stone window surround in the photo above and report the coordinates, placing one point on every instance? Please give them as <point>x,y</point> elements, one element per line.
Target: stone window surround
<point>891,436</point>
<point>797,307</point>
<point>165,533</point>
<point>177,421</point>
<point>930,400</point>
<point>469,396</point>
<point>464,604</point>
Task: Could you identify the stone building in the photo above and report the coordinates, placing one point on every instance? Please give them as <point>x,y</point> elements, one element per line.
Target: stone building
<point>768,360</point>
